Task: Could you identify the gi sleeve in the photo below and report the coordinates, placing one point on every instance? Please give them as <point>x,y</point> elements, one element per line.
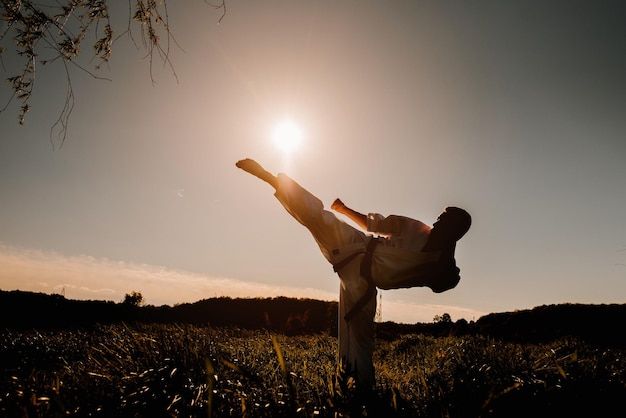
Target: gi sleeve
<point>386,225</point>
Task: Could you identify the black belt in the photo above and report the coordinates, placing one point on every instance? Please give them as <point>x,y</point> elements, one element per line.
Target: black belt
<point>366,273</point>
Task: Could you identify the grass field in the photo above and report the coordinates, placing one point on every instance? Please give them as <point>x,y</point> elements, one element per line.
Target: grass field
<point>190,371</point>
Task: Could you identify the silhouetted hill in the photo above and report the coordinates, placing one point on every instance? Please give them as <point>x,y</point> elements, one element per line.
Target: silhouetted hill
<point>597,324</point>
<point>19,310</point>
<point>288,315</point>
<point>600,324</point>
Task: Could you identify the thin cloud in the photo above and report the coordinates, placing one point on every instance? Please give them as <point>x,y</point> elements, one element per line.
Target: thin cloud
<point>90,278</point>
<point>87,277</point>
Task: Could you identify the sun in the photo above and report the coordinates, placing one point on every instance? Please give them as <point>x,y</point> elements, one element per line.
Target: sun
<point>287,136</point>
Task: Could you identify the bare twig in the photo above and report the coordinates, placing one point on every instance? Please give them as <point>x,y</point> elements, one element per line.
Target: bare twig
<point>217,7</point>
<point>64,116</point>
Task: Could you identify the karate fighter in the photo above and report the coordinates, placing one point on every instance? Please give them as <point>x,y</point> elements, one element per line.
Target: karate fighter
<point>405,253</point>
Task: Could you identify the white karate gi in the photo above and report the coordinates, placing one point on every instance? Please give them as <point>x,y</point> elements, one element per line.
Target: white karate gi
<point>398,252</point>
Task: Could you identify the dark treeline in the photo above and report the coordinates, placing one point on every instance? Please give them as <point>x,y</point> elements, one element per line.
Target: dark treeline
<point>19,310</point>
<point>597,324</point>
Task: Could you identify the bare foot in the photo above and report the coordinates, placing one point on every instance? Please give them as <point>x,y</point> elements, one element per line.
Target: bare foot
<point>254,168</point>
<point>250,166</point>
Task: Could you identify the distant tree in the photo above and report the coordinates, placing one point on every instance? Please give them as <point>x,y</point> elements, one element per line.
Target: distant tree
<point>445,318</point>
<point>43,32</point>
<point>133,298</point>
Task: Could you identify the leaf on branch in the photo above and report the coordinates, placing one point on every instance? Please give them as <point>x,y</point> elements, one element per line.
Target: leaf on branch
<point>24,110</point>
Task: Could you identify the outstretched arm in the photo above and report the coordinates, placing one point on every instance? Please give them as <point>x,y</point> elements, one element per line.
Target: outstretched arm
<point>358,218</point>
<point>257,170</point>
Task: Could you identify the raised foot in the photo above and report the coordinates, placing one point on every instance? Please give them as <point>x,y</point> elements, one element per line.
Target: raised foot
<point>257,170</point>
<point>251,166</point>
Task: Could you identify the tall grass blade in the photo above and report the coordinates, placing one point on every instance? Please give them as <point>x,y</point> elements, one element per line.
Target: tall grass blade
<point>285,370</point>
<point>210,372</point>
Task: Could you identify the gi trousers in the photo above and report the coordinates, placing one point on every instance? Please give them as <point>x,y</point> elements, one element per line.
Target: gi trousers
<point>338,240</point>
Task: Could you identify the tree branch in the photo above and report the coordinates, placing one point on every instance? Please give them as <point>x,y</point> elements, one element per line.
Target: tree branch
<point>63,28</point>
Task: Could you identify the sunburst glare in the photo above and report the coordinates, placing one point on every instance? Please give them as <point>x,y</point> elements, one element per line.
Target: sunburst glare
<point>287,136</point>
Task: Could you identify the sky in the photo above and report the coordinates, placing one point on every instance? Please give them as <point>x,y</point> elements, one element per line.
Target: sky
<point>513,110</point>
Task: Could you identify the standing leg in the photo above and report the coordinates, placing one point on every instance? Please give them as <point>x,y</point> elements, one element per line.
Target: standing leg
<point>356,338</point>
